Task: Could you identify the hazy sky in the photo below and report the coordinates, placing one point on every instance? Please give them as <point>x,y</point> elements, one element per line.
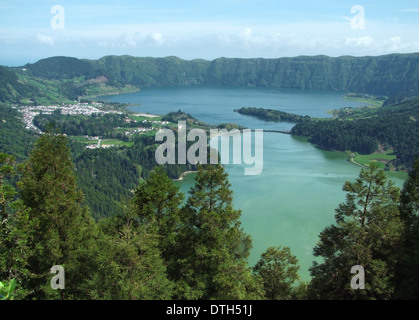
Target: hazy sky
<point>34,29</point>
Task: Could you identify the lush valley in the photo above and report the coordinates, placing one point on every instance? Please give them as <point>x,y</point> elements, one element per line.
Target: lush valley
<point>124,231</point>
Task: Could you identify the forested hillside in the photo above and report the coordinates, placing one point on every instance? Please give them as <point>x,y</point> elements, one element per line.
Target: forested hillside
<point>161,247</point>
<point>14,137</point>
<point>388,127</point>
<point>11,90</point>
<point>395,74</point>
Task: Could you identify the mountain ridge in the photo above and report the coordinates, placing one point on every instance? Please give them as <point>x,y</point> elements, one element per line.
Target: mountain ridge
<point>392,74</point>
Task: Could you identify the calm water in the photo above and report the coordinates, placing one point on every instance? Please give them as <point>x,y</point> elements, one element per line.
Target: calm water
<point>294,197</point>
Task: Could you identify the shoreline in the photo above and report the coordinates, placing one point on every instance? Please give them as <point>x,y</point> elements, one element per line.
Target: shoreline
<point>351,159</point>
<point>147,115</point>
<point>184,174</point>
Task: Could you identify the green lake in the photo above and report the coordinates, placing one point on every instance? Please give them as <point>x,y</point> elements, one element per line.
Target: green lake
<point>295,196</point>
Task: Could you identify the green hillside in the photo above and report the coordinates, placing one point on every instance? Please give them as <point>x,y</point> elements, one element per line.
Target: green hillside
<point>396,74</point>
<point>390,127</point>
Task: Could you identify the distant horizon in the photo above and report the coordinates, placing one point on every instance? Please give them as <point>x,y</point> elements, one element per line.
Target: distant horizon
<point>209,60</point>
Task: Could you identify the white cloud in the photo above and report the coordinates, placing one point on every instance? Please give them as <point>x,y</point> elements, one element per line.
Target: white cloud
<point>45,39</point>
<point>158,38</point>
<point>359,41</point>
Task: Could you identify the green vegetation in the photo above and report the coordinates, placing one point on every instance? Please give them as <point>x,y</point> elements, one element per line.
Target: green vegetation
<point>14,138</point>
<point>230,126</point>
<point>6,290</point>
<point>369,100</point>
<point>65,79</point>
<point>367,232</point>
<point>389,75</point>
<point>386,135</point>
<point>212,248</point>
<point>144,252</point>
<point>383,159</point>
<point>177,116</point>
<point>278,269</point>
<point>142,118</point>
<point>271,115</point>
<point>383,133</point>
<point>121,229</point>
<point>406,276</point>
<point>160,247</point>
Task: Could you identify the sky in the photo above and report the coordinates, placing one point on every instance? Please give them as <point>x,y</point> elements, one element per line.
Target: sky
<point>207,29</point>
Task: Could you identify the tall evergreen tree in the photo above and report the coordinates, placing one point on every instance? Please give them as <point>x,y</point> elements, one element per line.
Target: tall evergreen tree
<point>278,270</point>
<point>367,233</point>
<point>8,208</point>
<point>131,266</point>
<point>156,203</point>
<point>211,246</point>
<point>57,229</point>
<point>407,279</point>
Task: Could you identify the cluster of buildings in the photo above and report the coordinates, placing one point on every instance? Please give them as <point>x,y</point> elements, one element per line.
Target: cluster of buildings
<point>138,130</point>
<point>88,109</point>
<point>30,112</point>
<point>99,145</point>
<point>145,129</point>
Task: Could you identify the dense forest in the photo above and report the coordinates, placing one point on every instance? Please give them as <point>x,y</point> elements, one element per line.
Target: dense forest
<point>109,176</point>
<point>388,127</point>
<point>95,125</point>
<point>59,79</point>
<point>165,246</point>
<point>390,75</point>
<point>14,138</point>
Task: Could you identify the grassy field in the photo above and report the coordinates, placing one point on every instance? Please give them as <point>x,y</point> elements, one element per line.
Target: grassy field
<point>380,158</point>
<point>368,101</point>
<point>82,139</point>
<point>116,142</point>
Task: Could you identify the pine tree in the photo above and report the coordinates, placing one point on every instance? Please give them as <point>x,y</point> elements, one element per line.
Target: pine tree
<point>57,229</point>
<point>278,270</point>
<point>407,279</point>
<point>156,203</point>
<point>7,215</point>
<point>367,233</point>
<point>7,193</point>
<point>211,246</point>
<point>131,266</point>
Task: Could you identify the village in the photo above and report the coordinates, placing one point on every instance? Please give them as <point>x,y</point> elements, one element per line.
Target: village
<point>88,109</point>
<point>30,112</point>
